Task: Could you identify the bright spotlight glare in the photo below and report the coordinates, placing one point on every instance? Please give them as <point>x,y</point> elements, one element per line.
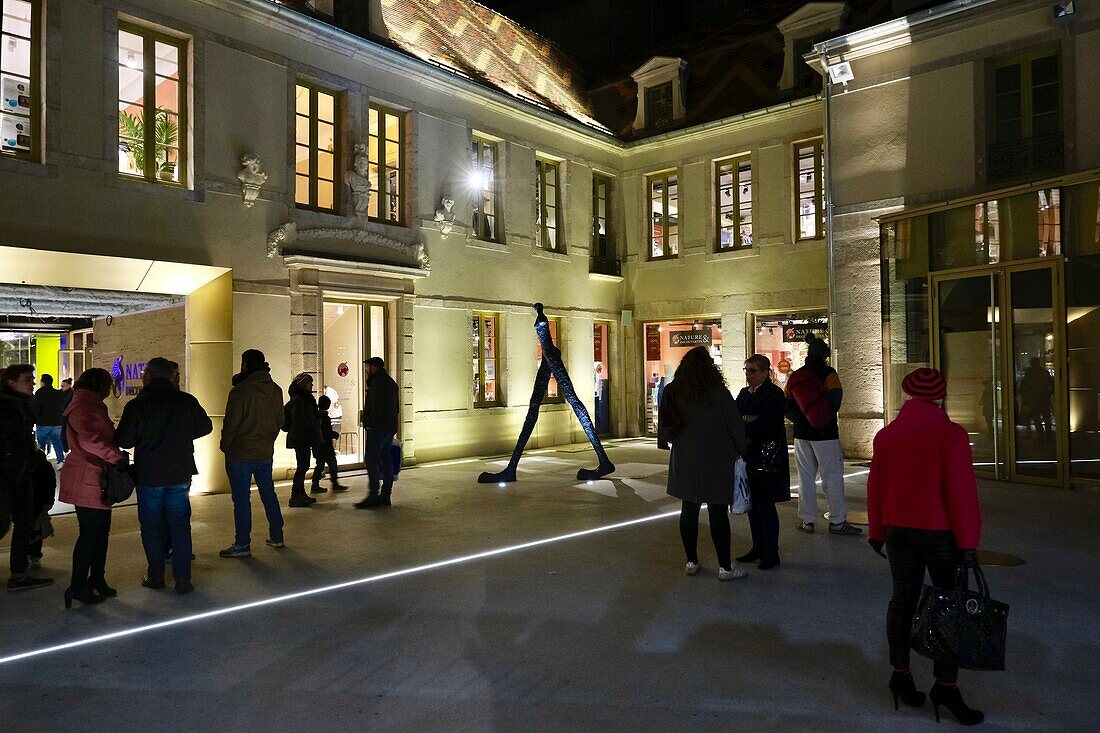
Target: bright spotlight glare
<point>476,180</point>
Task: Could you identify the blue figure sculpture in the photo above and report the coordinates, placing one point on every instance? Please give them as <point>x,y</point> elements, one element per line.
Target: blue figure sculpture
<point>551,365</point>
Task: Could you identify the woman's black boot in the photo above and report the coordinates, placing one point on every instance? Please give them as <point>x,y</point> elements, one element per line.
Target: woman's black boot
<point>768,560</point>
<point>85,596</point>
<point>754,554</point>
<point>901,684</point>
<point>100,586</point>
<point>949,697</point>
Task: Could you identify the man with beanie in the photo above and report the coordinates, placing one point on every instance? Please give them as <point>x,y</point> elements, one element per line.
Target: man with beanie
<point>814,395</point>
<point>253,419</point>
<point>922,504</point>
<point>162,424</point>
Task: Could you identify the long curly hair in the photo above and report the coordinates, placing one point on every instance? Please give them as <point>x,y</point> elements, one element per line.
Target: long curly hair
<point>697,376</point>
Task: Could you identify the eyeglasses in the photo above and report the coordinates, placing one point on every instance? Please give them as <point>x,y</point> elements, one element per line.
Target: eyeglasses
<point>749,370</point>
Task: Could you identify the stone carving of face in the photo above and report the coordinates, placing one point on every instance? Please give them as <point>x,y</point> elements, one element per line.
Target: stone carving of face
<point>448,202</point>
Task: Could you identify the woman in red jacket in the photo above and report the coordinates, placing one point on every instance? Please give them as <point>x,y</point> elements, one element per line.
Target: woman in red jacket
<point>922,502</point>
<point>91,437</point>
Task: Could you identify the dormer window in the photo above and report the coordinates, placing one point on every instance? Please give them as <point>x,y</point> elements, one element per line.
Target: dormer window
<point>660,93</point>
<point>801,29</point>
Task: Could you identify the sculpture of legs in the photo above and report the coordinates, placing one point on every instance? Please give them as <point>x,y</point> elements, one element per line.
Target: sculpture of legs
<point>508,475</point>
<point>570,394</point>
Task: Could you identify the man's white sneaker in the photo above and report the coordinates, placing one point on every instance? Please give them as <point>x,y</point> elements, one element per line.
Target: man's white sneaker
<point>732,574</point>
<point>691,568</point>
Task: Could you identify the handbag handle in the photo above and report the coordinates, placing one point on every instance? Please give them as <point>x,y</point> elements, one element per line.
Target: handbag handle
<point>962,574</point>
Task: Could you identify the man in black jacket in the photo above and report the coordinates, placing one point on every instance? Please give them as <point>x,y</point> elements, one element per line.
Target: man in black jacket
<point>380,422</point>
<point>49,404</point>
<point>18,454</point>
<point>161,425</point>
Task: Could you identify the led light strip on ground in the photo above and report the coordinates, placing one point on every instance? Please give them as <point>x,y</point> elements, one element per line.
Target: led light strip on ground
<point>328,588</point>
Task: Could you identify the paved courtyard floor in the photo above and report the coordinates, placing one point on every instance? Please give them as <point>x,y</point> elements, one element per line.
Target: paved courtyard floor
<point>546,605</point>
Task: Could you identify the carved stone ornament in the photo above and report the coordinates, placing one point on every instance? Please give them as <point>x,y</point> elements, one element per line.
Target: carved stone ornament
<point>252,177</point>
<point>359,183</point>
<point>288,234</point>
<point>445,217</point>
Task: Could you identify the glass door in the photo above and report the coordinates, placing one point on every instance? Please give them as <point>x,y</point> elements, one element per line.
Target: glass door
<point>998,342</point>
<point>601,371</point>
<point>353,332</point>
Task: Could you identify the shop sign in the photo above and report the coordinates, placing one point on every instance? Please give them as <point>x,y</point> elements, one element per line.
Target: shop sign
<point>127,377</point>
<point>797,332</point>
<point>342,370</point>
<point>597,342</point>
<point>685,339</point>
<point>652,344</point>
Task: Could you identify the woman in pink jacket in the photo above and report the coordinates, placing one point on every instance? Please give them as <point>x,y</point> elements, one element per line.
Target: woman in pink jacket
<point>91,437</point>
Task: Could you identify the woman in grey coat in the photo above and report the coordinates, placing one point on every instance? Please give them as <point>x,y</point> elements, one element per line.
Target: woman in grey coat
<point>698,416</point>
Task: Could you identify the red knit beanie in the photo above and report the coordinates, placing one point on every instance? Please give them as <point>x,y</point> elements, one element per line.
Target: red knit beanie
<point>925,384</point>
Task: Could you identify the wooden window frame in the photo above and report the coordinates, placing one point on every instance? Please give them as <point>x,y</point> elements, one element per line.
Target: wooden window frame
<point>34,154</point>
<point>818,169</point>
<point>599,180</point>
<point>735,170</point>
<point>547,399</point>
<point>542,228</point>
<point>150,38</point>
<point>337,152</point>
<point>482,317</point>
<point>479,144</point>
<point>666,177</point>
<point>382,148</point>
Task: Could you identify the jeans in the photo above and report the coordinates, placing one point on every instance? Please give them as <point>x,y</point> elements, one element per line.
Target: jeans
<point>50,435</point>
<point>379,459</point>
<point>911,551</point>
<point>165,511</point>
<point>326,456</point>
<point>240,482</point>
<point>90,552</point>
<point>303,458</point>
<point>719,531</point>
<point>824,456</point>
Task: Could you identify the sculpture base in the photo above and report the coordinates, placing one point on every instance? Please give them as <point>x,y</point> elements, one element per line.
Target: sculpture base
<point>591,474</point>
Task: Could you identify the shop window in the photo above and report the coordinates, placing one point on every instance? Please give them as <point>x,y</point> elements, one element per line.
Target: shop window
<point>548,205</point>
<point>318,155</point>
<point>385,146</point>
<point>733,203</point>
<point>485,222</point>
<point>664,241</point>
<point>152,105</point>
<point>1007,229</point>
<point>601,375</point>
<point>666,343</point>
<point>553,390</point>
<point>20,47</point>
<point>809,171</point>
<point>783,340</point>
<point>486,360</point>
<point>1025,130</point>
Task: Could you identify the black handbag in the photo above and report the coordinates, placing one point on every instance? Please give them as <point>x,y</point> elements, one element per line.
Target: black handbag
<point>765,457</point>
<point>961,627</point>
<point>116,483</point>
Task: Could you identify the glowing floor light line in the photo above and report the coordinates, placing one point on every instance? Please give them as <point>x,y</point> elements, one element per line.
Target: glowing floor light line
<point>329,588</point>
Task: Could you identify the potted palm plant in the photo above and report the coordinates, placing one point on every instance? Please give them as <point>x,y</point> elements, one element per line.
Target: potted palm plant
<point>165,138</point>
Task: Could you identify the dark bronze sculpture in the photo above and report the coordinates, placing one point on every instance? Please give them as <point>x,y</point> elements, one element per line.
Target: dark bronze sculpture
<point>551,366</point>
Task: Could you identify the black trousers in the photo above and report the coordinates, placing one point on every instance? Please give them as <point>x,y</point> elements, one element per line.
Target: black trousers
<point>90,552</point>
<point>719,531</point>
<point>22,524</point>
<point>764,525</point>
<point>326,456</point>
<point>303,460</point>
<point>911,552</point>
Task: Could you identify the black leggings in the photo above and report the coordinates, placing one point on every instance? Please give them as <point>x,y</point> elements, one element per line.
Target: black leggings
<point>911,551</point>
<point>90,552</point>
<point>719,531</point>
<point>303,457</point>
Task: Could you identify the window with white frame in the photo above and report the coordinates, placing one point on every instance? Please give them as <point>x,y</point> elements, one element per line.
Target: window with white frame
<point>548,205</point>
<point>19,83</point>
<point>733,203</point>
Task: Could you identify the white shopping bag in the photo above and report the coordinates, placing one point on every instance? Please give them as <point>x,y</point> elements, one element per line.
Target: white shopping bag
<point>742,499</point>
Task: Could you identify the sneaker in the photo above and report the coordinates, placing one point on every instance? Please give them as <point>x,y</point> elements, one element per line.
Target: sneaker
<point>15,585</point>
<point>807,527</point>
<point>844,528</point>
<point>299,502</point>
<point>236,550</point>
<point>279,544</point>
<point>184,587</point>
<point>691,568</point>
<point>732,574</point>
<point>318,490</point>
<point>148,582</point>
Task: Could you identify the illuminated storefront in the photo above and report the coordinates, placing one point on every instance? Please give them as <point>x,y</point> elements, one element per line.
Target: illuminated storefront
<point>666,342</point>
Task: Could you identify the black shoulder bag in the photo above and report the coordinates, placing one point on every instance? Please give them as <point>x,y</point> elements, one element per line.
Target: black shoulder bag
<point>961,627</point>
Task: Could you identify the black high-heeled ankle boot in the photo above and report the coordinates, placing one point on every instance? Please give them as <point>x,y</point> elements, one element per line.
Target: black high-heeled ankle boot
<point>85,596</point>
<point>101,587</point>
<point>949,697</point>
<point>904,689</point>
